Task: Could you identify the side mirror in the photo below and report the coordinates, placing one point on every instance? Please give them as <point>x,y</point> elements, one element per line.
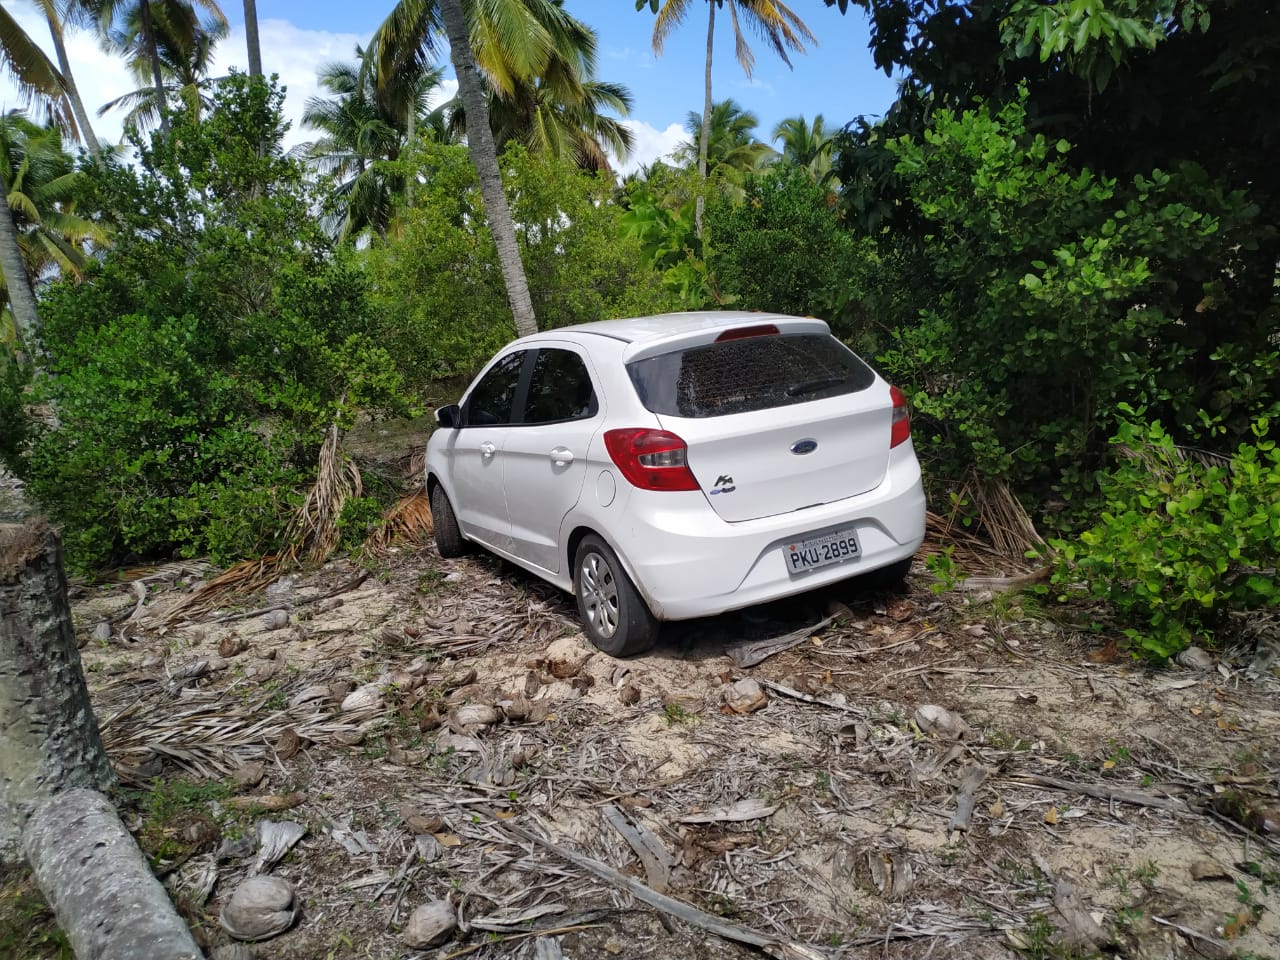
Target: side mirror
<point>450,416</point>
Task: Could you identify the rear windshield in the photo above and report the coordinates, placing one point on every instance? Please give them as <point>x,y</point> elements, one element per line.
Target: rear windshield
<point>756,373</point>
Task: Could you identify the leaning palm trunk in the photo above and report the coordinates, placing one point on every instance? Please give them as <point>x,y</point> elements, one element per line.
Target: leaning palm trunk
<point>153,54</point>
<point>704,136</point>
<point>73,93</point>
<point>484,156</point>
<point>21,297</point>
<point>251,37</point>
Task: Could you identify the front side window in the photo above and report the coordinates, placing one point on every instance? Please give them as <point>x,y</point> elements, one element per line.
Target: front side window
<point>560,388</point>
<point>492,402</point>
<point>754,373</point>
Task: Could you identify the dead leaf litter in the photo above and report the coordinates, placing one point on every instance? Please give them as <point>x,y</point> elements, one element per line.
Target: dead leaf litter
<point>434,760</point>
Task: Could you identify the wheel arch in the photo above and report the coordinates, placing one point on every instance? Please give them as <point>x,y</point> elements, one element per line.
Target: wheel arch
<point>575,538</point>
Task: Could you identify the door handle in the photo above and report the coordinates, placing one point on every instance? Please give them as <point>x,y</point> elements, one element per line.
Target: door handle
<point>487,449</point>
<point>561,456</point>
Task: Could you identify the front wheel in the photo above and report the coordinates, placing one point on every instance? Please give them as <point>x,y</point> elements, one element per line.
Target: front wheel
<point>449,539</point>
<point>614,615</point>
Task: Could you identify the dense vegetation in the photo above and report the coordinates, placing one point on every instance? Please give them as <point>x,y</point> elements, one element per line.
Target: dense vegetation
<point>1061,241</point>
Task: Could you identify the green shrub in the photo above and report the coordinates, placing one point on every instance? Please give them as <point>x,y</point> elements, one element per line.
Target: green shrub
<point>1181,543</point>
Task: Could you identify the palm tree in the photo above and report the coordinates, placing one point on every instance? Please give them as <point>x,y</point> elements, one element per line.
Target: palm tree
<point>359,136</point>
<point>115,15</point>
<point>780,27</point>
<point>251,37</point>
<point>561,110</point>
<point>59,14</point>
<point>185,46</point>
<point>40,179</point>
<point>806,146</point>
<point>729,148</point>
<point>492,44</point>
<point>37,80</point>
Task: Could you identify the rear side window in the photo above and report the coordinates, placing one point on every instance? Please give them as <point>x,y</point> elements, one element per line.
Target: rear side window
<point>560,388</point>
<point>755,373</point>
<point>491,402</point>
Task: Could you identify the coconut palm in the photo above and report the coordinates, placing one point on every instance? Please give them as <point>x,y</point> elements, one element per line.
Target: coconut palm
<point>805,145</point>
<point>731,149</point>
<point>251,37</point>
<point>119,15</point>
<point>41,179</point>
<point>59,14</point>
<point>359,137</point>
<point>38,81</point>
<point>185,45</point>
<point>492,43</point>
<point>775,22</point>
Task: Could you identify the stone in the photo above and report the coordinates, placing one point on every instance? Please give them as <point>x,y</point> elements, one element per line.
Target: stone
<point>429,925</point>
<point>1194,658</point>
<point>745,696</point>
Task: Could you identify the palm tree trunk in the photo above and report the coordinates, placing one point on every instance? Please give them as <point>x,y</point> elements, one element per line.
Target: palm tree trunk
<point>704,136</point>
<point>410,131</point>
<point>485,158</point>
<point>22,298</point>
<point>251,37</point>
<point>73,94</point>
<point>153,53</point>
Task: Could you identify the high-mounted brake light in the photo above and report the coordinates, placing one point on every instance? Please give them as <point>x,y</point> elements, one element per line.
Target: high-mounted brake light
<point>901,428</point>
<point>742,333</point>
<point>651,459</point>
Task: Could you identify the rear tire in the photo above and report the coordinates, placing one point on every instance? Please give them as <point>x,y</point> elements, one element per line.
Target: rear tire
<point>614,616</point>
<point>449,539</point>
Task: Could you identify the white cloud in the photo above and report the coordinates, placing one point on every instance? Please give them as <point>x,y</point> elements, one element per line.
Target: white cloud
<point>293,53</point>
<point>651,144</point>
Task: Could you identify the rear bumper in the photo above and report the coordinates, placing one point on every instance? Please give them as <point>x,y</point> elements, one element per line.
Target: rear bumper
<point>687,562</point>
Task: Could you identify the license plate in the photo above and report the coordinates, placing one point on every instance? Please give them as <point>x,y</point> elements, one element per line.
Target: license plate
<point>804,555</point>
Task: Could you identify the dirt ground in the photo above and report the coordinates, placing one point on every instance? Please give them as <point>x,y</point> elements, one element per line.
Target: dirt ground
<point>442,731</point>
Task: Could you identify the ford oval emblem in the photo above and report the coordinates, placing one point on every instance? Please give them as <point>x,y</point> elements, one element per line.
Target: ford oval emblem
<point>801,447</point>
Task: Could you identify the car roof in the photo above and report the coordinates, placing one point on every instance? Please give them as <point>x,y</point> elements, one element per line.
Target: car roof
<point>674,326</point>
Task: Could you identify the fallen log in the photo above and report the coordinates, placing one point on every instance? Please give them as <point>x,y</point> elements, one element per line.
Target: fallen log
<point>98,883</point>
<point>53,767</point>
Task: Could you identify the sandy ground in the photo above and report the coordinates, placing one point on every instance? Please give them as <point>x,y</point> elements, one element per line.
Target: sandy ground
<point>442,731</point>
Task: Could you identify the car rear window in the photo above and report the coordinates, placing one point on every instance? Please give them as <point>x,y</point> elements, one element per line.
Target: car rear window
<point>755,373</point>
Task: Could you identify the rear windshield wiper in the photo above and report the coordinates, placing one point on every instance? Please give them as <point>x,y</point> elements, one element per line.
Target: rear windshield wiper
<point>813,386</point>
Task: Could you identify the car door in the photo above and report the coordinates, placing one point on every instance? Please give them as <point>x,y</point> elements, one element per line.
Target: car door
<point>474,452</point>
<point>544,460</point>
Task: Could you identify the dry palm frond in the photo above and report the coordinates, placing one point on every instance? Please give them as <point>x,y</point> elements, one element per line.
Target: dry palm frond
<point>313,532</point>
<point>248,576</point>
<point>208,736</point>
<point>409,520</point>
<point>1008,534</point>
<point>1152,457</point>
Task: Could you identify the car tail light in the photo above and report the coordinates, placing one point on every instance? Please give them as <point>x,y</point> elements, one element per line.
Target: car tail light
<point>901,429</point>
<point>651,459</point>
<point>742,333</point>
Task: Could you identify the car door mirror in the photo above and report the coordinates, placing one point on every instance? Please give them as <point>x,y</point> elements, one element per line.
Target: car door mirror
<point>450,416</point>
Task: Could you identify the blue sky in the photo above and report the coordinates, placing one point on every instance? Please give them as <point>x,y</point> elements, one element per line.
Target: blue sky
<point>836,78</point>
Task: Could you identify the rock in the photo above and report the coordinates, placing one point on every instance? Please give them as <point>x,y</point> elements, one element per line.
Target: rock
<point>102,631</point>
<point>1208,870</point>
<point>429,925</point>
<point>230,645</point>
<point>232,951</point>
<point>745,696</point>
<point>1195,658</point>
<point>275,620</point>
<point>249,774</point>
<point>260,908</point>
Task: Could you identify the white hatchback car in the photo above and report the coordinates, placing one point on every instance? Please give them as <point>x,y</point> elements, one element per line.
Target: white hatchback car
<point>678,466</point>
